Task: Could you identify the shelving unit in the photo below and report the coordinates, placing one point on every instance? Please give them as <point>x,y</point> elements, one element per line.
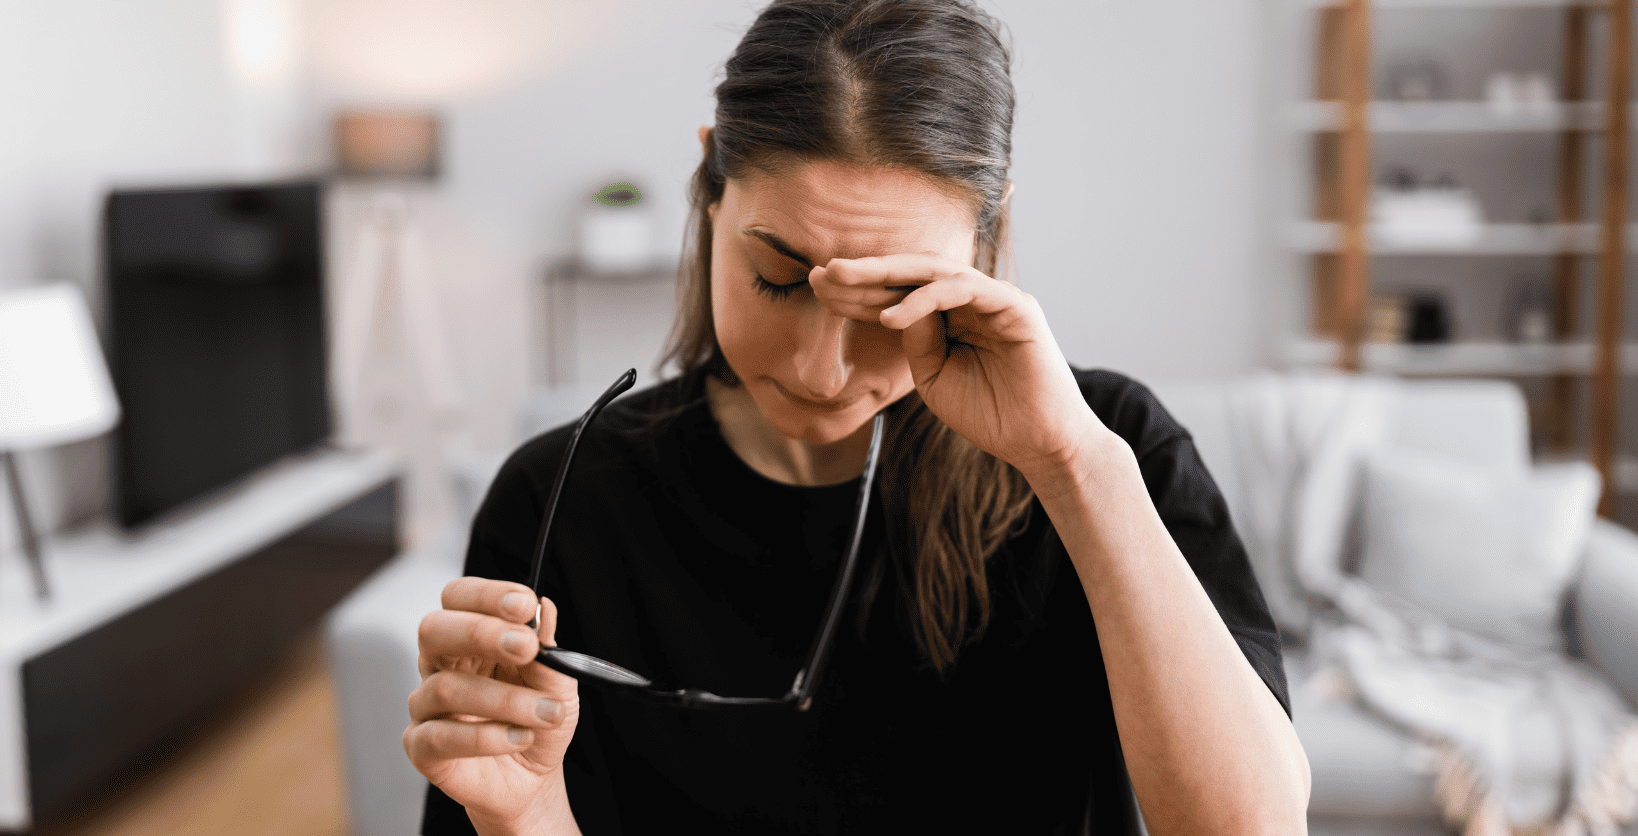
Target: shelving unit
<point>1340,118</point>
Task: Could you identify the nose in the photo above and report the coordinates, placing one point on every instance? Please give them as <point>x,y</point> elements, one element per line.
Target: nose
<point>823,364</point>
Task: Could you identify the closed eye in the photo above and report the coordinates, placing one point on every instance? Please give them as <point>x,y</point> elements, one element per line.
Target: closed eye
<point>776,291</point>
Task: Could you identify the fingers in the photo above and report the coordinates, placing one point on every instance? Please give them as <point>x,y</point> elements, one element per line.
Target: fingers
<point>856,295</point>
<point>900,289</point>
<point>502,599</point>
<point>978,294</point>
<point>551,682</point>
<point>548,623</point>
<point>440,740</point>
<point>452,634</point>
<point>448,693</point>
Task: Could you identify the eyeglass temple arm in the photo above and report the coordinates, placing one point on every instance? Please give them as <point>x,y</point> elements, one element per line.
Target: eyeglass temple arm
<point>802,689</point>
<point>623,383</point>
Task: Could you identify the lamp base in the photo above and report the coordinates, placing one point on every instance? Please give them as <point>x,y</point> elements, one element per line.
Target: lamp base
<point>25,524</point>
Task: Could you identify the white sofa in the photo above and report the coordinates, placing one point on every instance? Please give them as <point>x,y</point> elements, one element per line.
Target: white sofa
<point>1362,782</point>
<point>1365,779</point>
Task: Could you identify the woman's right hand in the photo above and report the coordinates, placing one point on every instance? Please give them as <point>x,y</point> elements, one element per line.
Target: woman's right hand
<point>489,725</point>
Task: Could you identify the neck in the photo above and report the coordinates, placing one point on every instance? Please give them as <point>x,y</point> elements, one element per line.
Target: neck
<point>769,452</point>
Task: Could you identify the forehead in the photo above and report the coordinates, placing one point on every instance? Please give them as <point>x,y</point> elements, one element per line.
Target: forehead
<point>831,210</point>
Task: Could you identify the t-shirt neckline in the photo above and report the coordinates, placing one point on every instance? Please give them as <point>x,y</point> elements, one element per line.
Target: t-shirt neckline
<point>712,430</point>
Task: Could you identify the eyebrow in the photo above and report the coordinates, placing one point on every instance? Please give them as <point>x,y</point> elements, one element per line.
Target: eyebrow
<point>779,244</point>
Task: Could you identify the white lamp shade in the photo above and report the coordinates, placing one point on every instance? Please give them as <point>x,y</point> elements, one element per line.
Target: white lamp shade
<point>54,385</point>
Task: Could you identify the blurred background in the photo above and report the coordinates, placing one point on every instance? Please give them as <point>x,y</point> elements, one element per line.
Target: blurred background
<point>430,229</point>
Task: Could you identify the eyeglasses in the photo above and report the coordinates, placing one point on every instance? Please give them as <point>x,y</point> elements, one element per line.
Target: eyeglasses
<point>612,677</point>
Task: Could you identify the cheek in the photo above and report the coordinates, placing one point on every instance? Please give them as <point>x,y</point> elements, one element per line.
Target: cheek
<point>753,334</point>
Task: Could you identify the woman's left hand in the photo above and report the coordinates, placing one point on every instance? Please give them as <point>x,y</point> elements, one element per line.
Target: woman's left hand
<point>979,349</point>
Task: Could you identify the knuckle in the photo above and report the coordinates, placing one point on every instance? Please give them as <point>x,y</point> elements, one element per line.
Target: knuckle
<point>443,695</point>
<point>453,591</point>
<point>428,629</point>
<point>410,749</point>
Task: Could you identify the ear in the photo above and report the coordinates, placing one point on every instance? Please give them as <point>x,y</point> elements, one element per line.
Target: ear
<point>705,133</point>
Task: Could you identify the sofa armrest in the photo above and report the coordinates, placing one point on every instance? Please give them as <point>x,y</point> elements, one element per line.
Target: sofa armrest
<point>1606,601</point>
<point>370,639</point>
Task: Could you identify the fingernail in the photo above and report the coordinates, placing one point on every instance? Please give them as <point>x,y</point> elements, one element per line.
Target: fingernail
<point>515,643</point>
<point>889,311</point>
<point>514,601</point>
<point>517,735</point>
<point>546,710</point>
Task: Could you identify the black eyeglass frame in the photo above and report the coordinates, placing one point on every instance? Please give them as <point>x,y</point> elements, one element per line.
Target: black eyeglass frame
<point>620,680</point>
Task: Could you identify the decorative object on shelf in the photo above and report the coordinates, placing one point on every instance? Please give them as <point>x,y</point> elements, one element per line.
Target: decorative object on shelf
<point>1528,319</point>
<point>1428,320</point>
<point>1407,214</point>
<point>1385,320</point>
<point>1416,77</point>
<point>1511,95</point>
<point>617,230</point>
<point>54,388</point>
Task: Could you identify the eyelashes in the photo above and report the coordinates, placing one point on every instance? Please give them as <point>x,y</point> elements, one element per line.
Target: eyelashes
<point>776,291</point>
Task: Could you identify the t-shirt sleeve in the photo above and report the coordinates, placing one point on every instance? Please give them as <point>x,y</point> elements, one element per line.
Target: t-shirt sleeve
<point>1196,515</point>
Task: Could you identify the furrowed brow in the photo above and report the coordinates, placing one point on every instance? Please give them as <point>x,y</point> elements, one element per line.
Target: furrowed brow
<point>779,244</point>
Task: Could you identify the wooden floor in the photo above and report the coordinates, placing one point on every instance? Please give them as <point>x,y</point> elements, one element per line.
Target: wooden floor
<point>268,765</point>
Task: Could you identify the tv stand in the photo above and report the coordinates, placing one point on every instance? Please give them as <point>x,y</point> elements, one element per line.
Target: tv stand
<point>146,632</point>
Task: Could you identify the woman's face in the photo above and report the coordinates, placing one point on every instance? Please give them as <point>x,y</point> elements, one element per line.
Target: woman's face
<point>813,375</point>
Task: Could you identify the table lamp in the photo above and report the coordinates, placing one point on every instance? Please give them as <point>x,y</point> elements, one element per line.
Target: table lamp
<point>54,387</point>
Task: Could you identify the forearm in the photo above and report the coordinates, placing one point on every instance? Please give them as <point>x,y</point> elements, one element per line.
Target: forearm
<point>1207,745</point>
<point>550,816</point>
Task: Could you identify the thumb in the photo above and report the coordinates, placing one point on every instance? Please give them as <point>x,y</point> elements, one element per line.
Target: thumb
<point>537,675</point>
<point>925,346</point>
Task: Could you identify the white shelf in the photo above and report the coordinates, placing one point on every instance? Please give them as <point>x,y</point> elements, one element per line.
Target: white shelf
<point>1498,239</point>
<point>1393,117</point>
<point>1460,358</point>
<point>99,574</point>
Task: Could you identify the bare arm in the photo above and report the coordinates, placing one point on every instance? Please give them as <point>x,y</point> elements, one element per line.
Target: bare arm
<point>1208,746</point>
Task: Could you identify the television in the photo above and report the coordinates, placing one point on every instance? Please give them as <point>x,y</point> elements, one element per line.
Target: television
<point>216,338</point>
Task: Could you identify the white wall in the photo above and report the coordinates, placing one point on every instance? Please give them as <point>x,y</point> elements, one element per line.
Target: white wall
<point>1136,157</point>
<point>106,93</point>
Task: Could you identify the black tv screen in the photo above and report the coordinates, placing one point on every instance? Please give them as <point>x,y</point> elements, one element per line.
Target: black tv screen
<point>216,337</point>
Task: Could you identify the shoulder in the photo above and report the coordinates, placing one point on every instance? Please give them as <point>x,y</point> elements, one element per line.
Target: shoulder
<point>629,426</point>
<point>1130,409</point>
<point>628,430</point>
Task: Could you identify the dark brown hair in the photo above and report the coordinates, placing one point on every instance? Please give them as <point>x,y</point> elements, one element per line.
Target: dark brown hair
<point>921,86</point>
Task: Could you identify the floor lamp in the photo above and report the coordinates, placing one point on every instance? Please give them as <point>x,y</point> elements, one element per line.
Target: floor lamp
<point>392,151</point>
<point>54,389</point>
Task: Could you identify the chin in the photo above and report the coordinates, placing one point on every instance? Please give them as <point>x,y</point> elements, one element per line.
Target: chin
<point>801,425</point>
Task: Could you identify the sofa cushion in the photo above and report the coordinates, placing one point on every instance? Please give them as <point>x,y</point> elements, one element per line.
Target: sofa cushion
<point>1480,422</point>
<point>1489,549</point>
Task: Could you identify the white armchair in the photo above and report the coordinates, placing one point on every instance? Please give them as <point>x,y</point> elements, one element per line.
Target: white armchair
<point>1366,774</point>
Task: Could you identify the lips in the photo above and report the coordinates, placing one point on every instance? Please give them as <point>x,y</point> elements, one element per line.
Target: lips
<point>831,405</point>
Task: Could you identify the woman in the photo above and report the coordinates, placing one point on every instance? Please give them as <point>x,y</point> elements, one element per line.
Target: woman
<point>1051,597</point>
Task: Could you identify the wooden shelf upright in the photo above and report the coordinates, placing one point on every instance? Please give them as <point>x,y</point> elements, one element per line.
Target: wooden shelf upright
<point>1612,260</point>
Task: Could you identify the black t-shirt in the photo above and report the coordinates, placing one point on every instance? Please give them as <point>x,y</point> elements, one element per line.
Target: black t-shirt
<point>672,557</point>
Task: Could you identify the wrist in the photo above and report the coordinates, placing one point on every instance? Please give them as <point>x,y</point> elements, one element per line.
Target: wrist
<point>1094,453</point>
<point>549,815</point>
